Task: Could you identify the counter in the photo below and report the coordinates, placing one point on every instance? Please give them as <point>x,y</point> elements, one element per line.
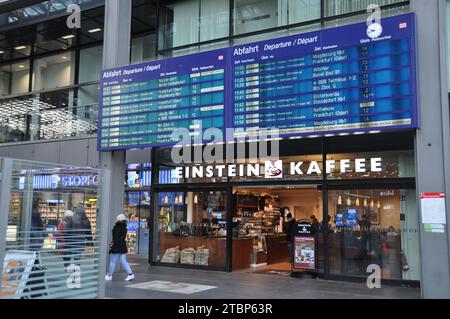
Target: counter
<point>217,246</point>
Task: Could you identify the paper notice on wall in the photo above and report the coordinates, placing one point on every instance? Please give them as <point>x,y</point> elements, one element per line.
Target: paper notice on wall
<point>433,208</point>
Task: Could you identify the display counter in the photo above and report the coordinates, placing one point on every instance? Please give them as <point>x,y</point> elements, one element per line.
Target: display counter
<point>242,253</point>
<point>217,246</point>
<point>277,248</point>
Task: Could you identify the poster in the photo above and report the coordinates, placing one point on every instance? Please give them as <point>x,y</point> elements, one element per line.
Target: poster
<point>17,268</point>
<point>305,253</point>
<point>352,217</point>
<point>433,208</point>
<point>340,220</point>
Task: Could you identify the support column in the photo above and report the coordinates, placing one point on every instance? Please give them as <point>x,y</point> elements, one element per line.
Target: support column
<point>116,53</point>
<point>433,141</point>
<point>6,166</point>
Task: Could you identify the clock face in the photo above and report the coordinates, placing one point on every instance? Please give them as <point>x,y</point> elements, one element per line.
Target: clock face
<point>374,30</point>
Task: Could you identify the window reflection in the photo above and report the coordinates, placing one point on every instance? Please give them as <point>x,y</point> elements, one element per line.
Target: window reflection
<point>374,227</point>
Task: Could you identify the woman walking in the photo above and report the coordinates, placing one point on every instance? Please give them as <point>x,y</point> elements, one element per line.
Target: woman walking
<point>119,248</point>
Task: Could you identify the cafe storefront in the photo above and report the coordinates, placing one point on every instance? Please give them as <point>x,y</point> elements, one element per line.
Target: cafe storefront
<point>359,191</point>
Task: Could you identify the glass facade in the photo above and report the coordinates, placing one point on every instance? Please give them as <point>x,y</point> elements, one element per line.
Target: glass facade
<point>185,23</point>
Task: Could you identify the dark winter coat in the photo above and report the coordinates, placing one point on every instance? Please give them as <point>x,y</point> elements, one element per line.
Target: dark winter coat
<point>119,235</point>
<point>81,230</point>
<point>37,231</point>
<point>289,229</point>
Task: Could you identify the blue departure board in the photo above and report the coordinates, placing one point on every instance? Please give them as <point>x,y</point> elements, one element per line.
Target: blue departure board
<point>141,105</point>
<point>333,81</point>
<point>339,80</point>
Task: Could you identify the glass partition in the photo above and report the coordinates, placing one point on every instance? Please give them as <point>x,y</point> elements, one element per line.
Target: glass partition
<point>53,232</point>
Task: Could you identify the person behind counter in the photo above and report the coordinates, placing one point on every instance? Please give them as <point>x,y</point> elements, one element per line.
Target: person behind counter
<point>289,228</point>
<point>315,225</point>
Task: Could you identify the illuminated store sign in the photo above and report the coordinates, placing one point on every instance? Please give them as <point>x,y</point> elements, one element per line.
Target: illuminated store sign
<point>60,181</point>
<point>274,169</point>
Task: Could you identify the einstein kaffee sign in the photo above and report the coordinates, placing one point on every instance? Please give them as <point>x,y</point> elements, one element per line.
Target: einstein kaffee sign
<point>279,169</point>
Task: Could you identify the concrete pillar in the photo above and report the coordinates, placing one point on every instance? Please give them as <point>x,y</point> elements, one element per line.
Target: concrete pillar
<point>116,52</point>
<point>6,166</point>
<point>433,140</point>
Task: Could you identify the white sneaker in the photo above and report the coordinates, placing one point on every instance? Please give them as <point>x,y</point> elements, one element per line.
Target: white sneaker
<point>108,278</point>
<point>130,278</point>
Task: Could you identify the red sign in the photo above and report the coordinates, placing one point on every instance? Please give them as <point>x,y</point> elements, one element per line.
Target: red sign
<point>305,253</point>
<point>432,195</point>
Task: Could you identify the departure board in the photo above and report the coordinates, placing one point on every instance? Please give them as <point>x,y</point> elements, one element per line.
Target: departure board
<point>346,79</point>
<point>142,105</point>
<point>341,80</point>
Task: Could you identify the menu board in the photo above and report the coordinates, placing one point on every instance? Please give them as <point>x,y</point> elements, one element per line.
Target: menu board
<point>304,253</point>
<point>340,80</point>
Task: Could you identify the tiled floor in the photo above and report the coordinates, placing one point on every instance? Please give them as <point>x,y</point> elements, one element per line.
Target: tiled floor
<point>245,285</point>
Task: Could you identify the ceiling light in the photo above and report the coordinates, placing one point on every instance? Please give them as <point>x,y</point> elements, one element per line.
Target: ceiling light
<point>1,52</point>
<point>69,36</point>
<point>20,47</point>
<point>64,57</point>
<point>21,66</point>
<point>94,30</point>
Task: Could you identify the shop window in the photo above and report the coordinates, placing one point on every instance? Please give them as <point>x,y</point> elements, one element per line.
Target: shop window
<point>191,229</point>
<point>378,227</point>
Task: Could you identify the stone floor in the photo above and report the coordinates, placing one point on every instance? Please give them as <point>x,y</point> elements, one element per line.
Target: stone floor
<point>245,285</point>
